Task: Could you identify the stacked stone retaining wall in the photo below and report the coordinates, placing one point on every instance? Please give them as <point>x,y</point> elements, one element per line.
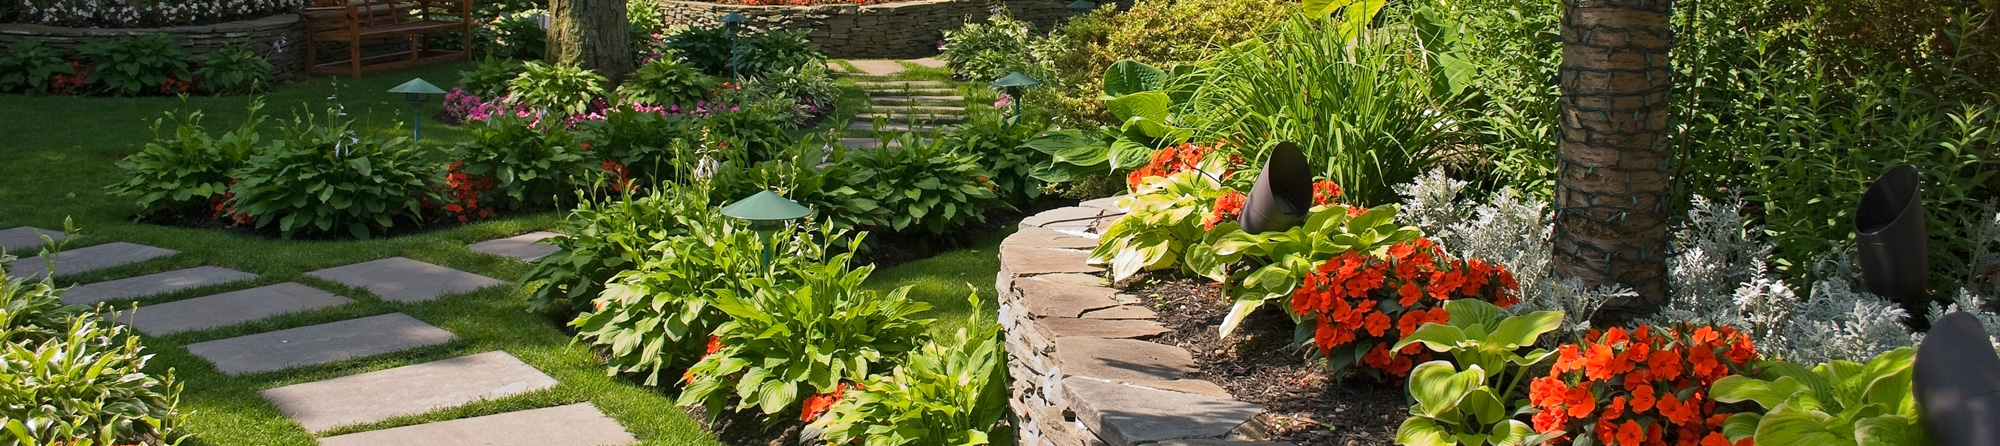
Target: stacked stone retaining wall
<point>1083,372</point>
<point>280,39</point>
<point>886,30</point>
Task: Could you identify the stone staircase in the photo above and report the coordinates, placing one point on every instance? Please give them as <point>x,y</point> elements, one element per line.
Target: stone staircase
<point>355,399</point>
<point>922,107</point>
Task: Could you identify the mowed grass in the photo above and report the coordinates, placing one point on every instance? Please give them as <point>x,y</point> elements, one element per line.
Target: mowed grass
<point>58,154</point>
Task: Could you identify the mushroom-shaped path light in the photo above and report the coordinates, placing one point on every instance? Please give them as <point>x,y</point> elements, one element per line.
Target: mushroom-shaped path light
<point>767,212</point>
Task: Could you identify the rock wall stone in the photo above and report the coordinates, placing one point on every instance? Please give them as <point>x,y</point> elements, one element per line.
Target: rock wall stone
<point>888,30</point>
<point>1083,373</point>
<point>280,39</point>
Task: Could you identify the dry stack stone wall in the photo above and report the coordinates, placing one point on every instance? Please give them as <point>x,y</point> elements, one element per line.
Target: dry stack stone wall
<point>896,30</point>
<point>280,38</point>
<point>1083,372</point>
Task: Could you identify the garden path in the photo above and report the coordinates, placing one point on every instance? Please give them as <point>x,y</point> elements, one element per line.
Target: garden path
<point>896,106</point>
<point>372,397</point>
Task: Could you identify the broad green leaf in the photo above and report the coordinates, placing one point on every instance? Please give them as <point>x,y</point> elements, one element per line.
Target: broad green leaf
<point>1146,105</point>
<point>1436,337</point>
<point>1438,387</point>
<point>1786,425</point>
<point>1517,331</point>
<point>1741,425</point>
<point>1128,76</point>
<point>1420,431</point>
<point>1889,430</point>
<point>1769,394</point>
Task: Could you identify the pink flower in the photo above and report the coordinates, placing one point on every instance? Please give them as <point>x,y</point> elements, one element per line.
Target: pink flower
<point>1005,99</point>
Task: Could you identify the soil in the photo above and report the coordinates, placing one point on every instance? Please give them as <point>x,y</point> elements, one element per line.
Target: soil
<point>1307,404</point>
<point>746,427</point>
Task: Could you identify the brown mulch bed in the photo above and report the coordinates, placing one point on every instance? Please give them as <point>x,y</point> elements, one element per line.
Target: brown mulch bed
<point>1306,403</point>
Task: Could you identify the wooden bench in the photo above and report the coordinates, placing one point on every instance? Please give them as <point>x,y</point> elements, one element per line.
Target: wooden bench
<point>355,21</point>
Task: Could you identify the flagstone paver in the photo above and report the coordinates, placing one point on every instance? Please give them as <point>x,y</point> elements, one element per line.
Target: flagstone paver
<point>907,117</point>
<point>320,344</point>
<point>928,62</point>
<point>877,67</point>
<point>152,284</point>
<point>917,100</point>
<point>913,91</point>
<point>895,85</point>
<point>866,126</point>
<point>407,390</point>
<point>573,425</point>
<point>88,259</point>
<point>26,236</point>
<point>919,109</point>
<point>227,309</point>
<point>405,280</point>
<point>526,247</point>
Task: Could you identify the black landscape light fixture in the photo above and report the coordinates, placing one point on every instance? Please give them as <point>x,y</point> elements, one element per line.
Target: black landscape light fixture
<point>1014,82</point>
<point>1283,194</point>
<point>734,22</point>
<point>1889,231</point>
<point>1956,381</point>
<point>414,93</point>
<point>767,212</point>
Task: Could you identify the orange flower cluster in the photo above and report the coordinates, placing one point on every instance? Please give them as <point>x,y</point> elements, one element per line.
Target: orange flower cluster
<point>1644,387</point>
<point>714,345</point>
<point>1369,303</point>
<point>1227,207</point>
<point>69,84</point>
<point>172,85</point>
<point>1326,192</point>
<point>220,209</point>
<point>817,405</point>
<point>1169,161</point>
<point>464,191</point>
<point>621,178</point>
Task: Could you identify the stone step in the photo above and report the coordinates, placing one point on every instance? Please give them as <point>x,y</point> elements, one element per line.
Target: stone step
<point>917,100</point>
<point>407,390</point>
<point>405,280</point>
<point>871,143</point>
<point>226,309</point>
<point>320,344</point>
<point>908,117</point>
<point>919,109</point>
<point>83,260</point>
<point>26,237</point>
<point>152,284</point>
<point>895,85</point>
<point>912,92</point>
<point>525,247</point>
<point>877,67</point>
<point>923,129</point>
<point>577,424</point>
<point>1127,414</point>
<point>927,62</point>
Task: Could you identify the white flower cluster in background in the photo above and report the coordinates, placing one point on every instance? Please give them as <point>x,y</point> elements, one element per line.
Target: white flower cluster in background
<point>1719,277</point>
<point>146,13</point>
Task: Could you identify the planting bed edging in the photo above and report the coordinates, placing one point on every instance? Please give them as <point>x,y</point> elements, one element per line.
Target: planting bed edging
<point>1083,375</point>
<point>280,39</point>
<point>886,30</point>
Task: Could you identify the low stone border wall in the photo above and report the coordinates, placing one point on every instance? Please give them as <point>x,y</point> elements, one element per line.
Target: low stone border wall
<point>1083,373</point>
<point>897,30</point>
<point>280,38</point>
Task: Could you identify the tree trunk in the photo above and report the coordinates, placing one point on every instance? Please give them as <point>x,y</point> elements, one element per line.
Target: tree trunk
<point>1614,177</point>
<point>591,34</point>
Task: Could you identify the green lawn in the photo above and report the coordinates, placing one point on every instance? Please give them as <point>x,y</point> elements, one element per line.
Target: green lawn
<point>59,155</point>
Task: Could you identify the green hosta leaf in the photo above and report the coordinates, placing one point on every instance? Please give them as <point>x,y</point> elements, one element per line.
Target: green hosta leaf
<point>1471,312</point>
<point>1889,430</point>
<point>1524,330</point>
<point>1741,425</point>
<point>1237,311</point>
<point>1149,106</point>
<point>1436,337</point>
<point>1421,431</point>
<point>1786,425</point>
<point>1127,77</point>
<point>1769,394</point>
<point>1438,387</point>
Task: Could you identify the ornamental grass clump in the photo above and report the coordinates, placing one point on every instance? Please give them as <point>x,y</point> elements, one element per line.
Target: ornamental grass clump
<point>1647,386</point>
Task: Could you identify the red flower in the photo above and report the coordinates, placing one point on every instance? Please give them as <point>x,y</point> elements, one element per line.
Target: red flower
<point>1630,433</point>
<point>1325,192</point>
<point>1377,324</point>
<point>1642,398</point>
<point>1227,206</point>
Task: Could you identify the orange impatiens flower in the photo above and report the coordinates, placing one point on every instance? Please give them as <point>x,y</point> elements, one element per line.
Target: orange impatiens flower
<point>1630,433</point>
<point>1363,302</point>
<point>1643,398</point>
<point>1653,383</point>
<point>1377,324</point>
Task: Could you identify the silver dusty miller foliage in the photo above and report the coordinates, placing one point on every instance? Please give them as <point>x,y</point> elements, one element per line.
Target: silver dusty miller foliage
<point>1719,277</point>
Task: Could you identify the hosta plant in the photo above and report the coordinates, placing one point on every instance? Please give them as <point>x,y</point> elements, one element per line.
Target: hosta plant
<point>652,146</point>
<point>490,78</point>
<point>561,89</point>
<point>1287,258</point>
<point>790,339</point>
<point>1644,386</point>
<point>1468,400</point>
<point>188,170</point>
<point>1170,208</point>
<point>996,142</point>
<point>923,186</point>
<point>1838,403</point>
<point>666,82</point>
<point>31,66</point>
<point>136,64</point>
<point>806,174</point>
<point>231,70</point>
<point>69,377</point>
<point>530,165</point>
<point>602,238</point>
<point>945,393</point>
<point>323,177</point>
<point>1137,95</point>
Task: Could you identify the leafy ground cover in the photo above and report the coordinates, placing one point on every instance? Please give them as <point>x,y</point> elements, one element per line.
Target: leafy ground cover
<point>61,153</point>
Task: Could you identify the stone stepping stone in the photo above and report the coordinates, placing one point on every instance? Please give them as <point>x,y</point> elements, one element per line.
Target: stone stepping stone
<point>152,284</point>
<point>93,258</point>
<point>226,309</point>
<point>928,62</point>
<point>869,126</point>
<point>525,247</point>
<point>877,67</point>
<point>912,92</point>
<point>894,85</point>
<point>917,100</point>
<point>907,117</point>
<point>874,143</point>
<point>920,109</point>
<point>407,390</point>
<point>1125,414</point>
<point>405,280</point>
<point>577,424</point>
<point>26,237</point>
<point>320,344</point>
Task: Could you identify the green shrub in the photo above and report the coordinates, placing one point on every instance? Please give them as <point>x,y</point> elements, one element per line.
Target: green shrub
<point>650,146</point>
<point>666,82</point>
<point>562,89</point>
<point>68,377</point>
<point>809,87</point>
<point>756,131</point>
<point>943,394</point>
<point>135,64</point>
<point>806,174</point>
<point>756,53</point>
<point>188,170</point>
<point>787,339</point>
<point>31,66</point>
<point>490,78</point>
<point>530,166</point>
<point>924,186</point>
<point>1161,33</point>
<point>986,51</point>
<point>231,70</point>
<point>704,48</point>
<point>995,142</point>
<point>516,35</point>
<point>323,177</point>
<point>601,239</point>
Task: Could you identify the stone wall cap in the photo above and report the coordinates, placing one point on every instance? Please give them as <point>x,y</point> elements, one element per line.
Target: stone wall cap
<point>1126,415</point>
